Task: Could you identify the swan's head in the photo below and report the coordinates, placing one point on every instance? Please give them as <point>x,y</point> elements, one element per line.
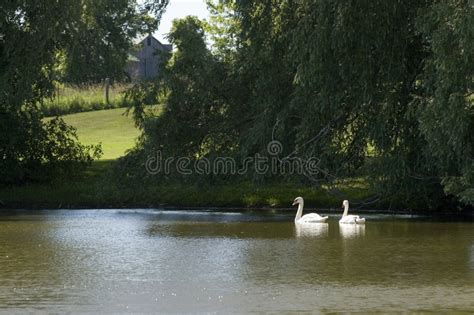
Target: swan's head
<point>345,203</point>
<point>298,201</point>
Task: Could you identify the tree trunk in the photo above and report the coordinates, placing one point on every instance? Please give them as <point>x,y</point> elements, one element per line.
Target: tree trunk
<point>106,91</point>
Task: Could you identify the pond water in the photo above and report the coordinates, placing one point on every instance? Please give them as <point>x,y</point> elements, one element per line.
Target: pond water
<point>180,262</point>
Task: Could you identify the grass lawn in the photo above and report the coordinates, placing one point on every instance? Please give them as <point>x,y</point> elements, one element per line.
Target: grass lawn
<point>115,131</point>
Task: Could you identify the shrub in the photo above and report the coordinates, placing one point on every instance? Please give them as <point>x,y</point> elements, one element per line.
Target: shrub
<point>40,152</point>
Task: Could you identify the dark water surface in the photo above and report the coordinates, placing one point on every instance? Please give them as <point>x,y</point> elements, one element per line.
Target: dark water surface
<point>181,262</point>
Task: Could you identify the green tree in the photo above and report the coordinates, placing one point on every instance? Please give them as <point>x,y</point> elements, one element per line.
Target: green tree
<point>265,72</point>
<point>447,98</point>
<point>101,39</point>
<point>374,89</point>
<point>193,84</point>
<point>357,76</point>
<point>192,87</point>
<point>382,89</point>
<point>31,33</point>
<point>223,28</point>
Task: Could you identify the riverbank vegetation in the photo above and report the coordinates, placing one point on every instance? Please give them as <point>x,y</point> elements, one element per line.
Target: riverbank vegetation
<point>376,93</point>
<point>99,185</point>
<point>95,189</point>
<point>374,90</point>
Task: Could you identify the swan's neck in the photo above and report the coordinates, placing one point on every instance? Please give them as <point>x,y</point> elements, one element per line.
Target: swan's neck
<point>299,213</point>
<point>346,210</point>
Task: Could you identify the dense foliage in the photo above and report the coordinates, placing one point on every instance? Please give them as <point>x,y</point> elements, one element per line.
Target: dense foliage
<point>446,103</point>
<point>381,90</point>
<point>190,97</point>
<point>33,37</point>
<point>101,40</point>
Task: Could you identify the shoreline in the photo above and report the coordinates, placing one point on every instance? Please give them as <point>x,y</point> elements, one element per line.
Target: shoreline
<point>238,209</point>
<point>97,189</point>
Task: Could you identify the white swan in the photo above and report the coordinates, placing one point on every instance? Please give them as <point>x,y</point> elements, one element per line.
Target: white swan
<point>350,219</point>
<point>308,218</point>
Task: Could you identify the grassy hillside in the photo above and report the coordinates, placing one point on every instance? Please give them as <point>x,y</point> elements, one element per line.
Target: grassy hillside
<point>115,131</point>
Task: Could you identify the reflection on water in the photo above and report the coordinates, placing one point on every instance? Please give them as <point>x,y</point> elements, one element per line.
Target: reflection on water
<point>352,230</point>
<point>311,229</point>
<point>153,261</point>
<point>472,257</point>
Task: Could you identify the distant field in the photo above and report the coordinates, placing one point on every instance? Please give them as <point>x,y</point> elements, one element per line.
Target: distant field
<point>111,127</point>
<point>71,99</point>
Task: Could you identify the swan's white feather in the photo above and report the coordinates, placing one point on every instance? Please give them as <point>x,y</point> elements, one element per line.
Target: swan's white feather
<point>349,219</point>
<point>352,219</point>
<point>312,218</point>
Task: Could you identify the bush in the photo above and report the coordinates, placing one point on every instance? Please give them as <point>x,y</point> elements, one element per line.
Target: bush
<point>32,151</point>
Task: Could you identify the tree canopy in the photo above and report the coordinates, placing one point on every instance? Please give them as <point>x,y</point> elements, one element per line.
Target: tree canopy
<point>102,38</point>
<point>375,89</point>
<point>32,36</point>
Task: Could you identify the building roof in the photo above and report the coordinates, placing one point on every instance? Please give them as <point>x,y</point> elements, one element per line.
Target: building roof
<point>167,47</point>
